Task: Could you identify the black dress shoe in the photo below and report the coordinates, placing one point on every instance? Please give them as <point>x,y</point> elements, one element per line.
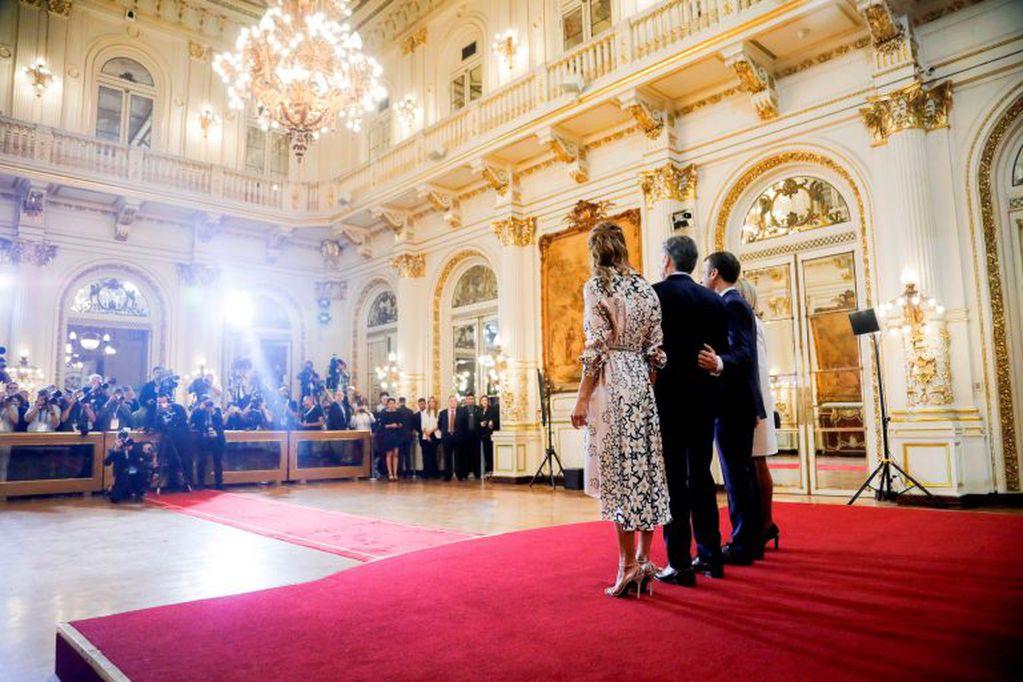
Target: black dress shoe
<point>685,577</point>
<point>712,567</point>
<point>733,556</point>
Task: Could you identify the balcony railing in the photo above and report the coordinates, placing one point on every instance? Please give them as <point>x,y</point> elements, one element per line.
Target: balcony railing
<point>599,60</point>
<point>658,28</point>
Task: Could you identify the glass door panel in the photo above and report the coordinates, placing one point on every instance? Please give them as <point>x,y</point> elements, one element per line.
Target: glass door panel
<point>776,299</point>
<point>838,438</point>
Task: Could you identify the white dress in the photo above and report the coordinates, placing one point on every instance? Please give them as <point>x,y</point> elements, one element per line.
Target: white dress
<point>765,440</point>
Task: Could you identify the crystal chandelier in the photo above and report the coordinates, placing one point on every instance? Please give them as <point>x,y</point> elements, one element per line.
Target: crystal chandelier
<point>303,68</point>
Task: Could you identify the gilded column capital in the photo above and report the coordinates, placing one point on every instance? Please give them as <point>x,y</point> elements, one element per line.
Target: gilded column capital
<point>413,40</point>
<point>514,231</point>
<point>409,265</point>
<point>913,106</point>
<point>668,182</point>
<point>885,30</point>
<point>27,251</point>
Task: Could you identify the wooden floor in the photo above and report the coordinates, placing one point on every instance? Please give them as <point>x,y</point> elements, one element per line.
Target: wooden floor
<point>67,558</point>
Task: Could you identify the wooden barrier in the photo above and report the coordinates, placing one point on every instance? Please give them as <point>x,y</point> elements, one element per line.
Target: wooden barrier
<point>254,457</point>
<point>315,455</point>
<point>50,463</point>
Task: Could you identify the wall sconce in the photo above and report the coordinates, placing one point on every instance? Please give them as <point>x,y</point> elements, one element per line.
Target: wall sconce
<point>913,313</point>
<point>207,119</point>
<point>41,77</point>
<point>506,47</point>
<point>406,109</point>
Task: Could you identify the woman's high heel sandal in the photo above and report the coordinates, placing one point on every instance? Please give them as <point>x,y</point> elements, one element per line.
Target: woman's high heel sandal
<point>628,582</point>
<point>772,533</point>
<point>647,571</point>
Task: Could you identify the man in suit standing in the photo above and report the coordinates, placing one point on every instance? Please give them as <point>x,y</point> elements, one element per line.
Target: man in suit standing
<point>687,400</point>
<point>470,446</point>
<point>405,468</point>
<point>449,421</point>
<point>742,405</point>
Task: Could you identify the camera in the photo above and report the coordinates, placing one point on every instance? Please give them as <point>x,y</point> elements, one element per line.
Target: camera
<point>680,220</point>
<point>124,438</point>
<point>167,384</point>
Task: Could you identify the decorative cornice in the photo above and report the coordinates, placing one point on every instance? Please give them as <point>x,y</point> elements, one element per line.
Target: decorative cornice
<point>400,222</point>
<point>198,51</point>
<point>59,8</point>
<point>127,211</point>
<point>669,182</point>
<point>885,30</point>
<point>755,79</point>
<point>443,202</point>
<point>651,121</point>
<point>331,290</point>
<point>499,179</point>
<point>587,213</point>
<point>197,274</point>
<point>275,242</point>
<point>34,201</point>
<point>913,106</point>
<point>515,231</point>
<point>409,265</point>
<point>207,226</point>
<point>27,251</point>
<point>413,40</point>
<point>567,152</point>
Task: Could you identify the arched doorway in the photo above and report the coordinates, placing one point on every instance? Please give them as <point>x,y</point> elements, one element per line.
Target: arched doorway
<point>381,338</point>
<point>112,325</point>
<point>474,329</point>
<point>261,354</point>
<point>798,228</point>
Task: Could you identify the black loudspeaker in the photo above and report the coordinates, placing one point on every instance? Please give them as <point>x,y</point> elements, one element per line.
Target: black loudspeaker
<point>574,479</point>
<point>864,322</point>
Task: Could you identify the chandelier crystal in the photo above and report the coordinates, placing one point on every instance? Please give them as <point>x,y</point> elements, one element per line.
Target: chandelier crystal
<point>304,69</point>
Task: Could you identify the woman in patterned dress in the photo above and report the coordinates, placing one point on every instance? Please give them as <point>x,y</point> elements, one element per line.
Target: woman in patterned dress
<point>624,464</point>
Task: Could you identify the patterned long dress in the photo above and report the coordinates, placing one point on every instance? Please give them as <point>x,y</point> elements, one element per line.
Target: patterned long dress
<point>624,463</point>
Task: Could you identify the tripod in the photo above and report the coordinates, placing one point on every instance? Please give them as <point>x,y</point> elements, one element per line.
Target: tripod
<point>884,490</point>
<point>551,456</point>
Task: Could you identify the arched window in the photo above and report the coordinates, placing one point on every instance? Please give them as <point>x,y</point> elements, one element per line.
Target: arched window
<point>466,80</point>
<point>384,310</point>
<point>583,19</point>
<point>381,338</point>
<point>125,103</point>
<point>474,329</point>
<point>109,296</point>
<point>795,204</point>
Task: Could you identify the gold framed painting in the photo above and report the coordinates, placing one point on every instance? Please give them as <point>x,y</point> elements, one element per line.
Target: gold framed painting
<point>564,269</point>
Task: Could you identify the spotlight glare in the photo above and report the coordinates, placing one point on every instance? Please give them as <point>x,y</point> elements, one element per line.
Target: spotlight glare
<point>238,309</point>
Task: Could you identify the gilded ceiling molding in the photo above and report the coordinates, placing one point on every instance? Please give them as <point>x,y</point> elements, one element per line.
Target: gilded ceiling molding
<point>198,51</point>
<point>399,222</point>
<point>669,182</point>
<point>885,30</point>
<point>443,202</point>
<point>913,106</point>
<point>330,250</point>
<point>515,231</point>
<point>409,265</point>
<point>27,252</point>
<point>566,151</point>
<point>651,121</point>
<point>499,179</point>
<point>1002,364</point>
<point>413,40</point>
<point>749,65</point>
<point>197,274</point>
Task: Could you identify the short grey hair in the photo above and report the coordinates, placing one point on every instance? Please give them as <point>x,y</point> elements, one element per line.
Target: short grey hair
<point>682,251</point>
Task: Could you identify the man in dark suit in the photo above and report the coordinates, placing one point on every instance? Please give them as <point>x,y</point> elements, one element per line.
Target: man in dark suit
<point>449,421</point>
<point>742,405</point>
<point>471,443</point>
<point>405,449</point>
<point>687,400</point>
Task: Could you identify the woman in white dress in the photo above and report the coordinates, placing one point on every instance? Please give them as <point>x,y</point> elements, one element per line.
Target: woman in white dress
<point>765,440</point>
<point>624,464</point>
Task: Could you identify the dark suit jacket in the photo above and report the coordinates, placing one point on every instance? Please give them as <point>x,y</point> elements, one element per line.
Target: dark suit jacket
<point>740,382</point>
<point>442,421</point>
<point>691,316</point>
<point>471,431</point>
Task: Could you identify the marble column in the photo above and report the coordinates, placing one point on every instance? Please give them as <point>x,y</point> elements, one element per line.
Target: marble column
<point>413,311</point>
<point>517,446</point>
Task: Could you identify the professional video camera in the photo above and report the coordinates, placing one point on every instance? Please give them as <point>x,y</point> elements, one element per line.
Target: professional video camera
<point>168,383</point>
<point>124,439</point>
<point>334,372</point>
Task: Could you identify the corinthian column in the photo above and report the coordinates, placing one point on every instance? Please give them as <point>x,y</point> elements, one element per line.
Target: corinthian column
<point>668,190</point>
<point>517,446</point>
<point>413,323</point>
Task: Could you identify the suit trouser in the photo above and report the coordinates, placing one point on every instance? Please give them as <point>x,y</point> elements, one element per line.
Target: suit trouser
<point>488,455</point>
<point>735,446</point>
<point>688,451</point>
<point>468,458</point>
<point>429,449</point>
<point>405,456</point>
<point>176,455</point>
<point>450,447</point>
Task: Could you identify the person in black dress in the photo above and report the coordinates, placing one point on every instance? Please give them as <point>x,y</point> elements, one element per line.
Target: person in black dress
<point>391,423</point>
<point>490,421</point>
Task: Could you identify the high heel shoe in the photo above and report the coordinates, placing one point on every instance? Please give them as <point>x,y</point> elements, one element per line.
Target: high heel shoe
<point>647,571</point>
<point>628,581</point>
<point>772,533</point>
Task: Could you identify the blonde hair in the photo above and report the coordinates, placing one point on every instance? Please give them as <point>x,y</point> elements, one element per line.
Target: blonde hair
<point>748,292</point>
<point>609,254</point>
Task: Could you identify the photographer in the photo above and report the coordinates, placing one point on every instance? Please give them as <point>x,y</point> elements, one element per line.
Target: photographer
<point>285,411</point>
<point>257,416</point>
<point>10,418</point>
<point>175,454</point>
<point>132,471</point>
<point>43,415</point>
<point>337,374</point>
<point>208,427</point>
<point>77,413</point>
<point>116,414</point>
<point>309,380</point>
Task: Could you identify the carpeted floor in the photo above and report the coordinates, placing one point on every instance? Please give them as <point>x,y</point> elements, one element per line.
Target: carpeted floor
<point>854,594</point>
<point>348,535</point>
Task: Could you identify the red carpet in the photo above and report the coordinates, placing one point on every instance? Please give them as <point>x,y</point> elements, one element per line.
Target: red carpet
<point>854,594</point>
<point>356,537</point>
